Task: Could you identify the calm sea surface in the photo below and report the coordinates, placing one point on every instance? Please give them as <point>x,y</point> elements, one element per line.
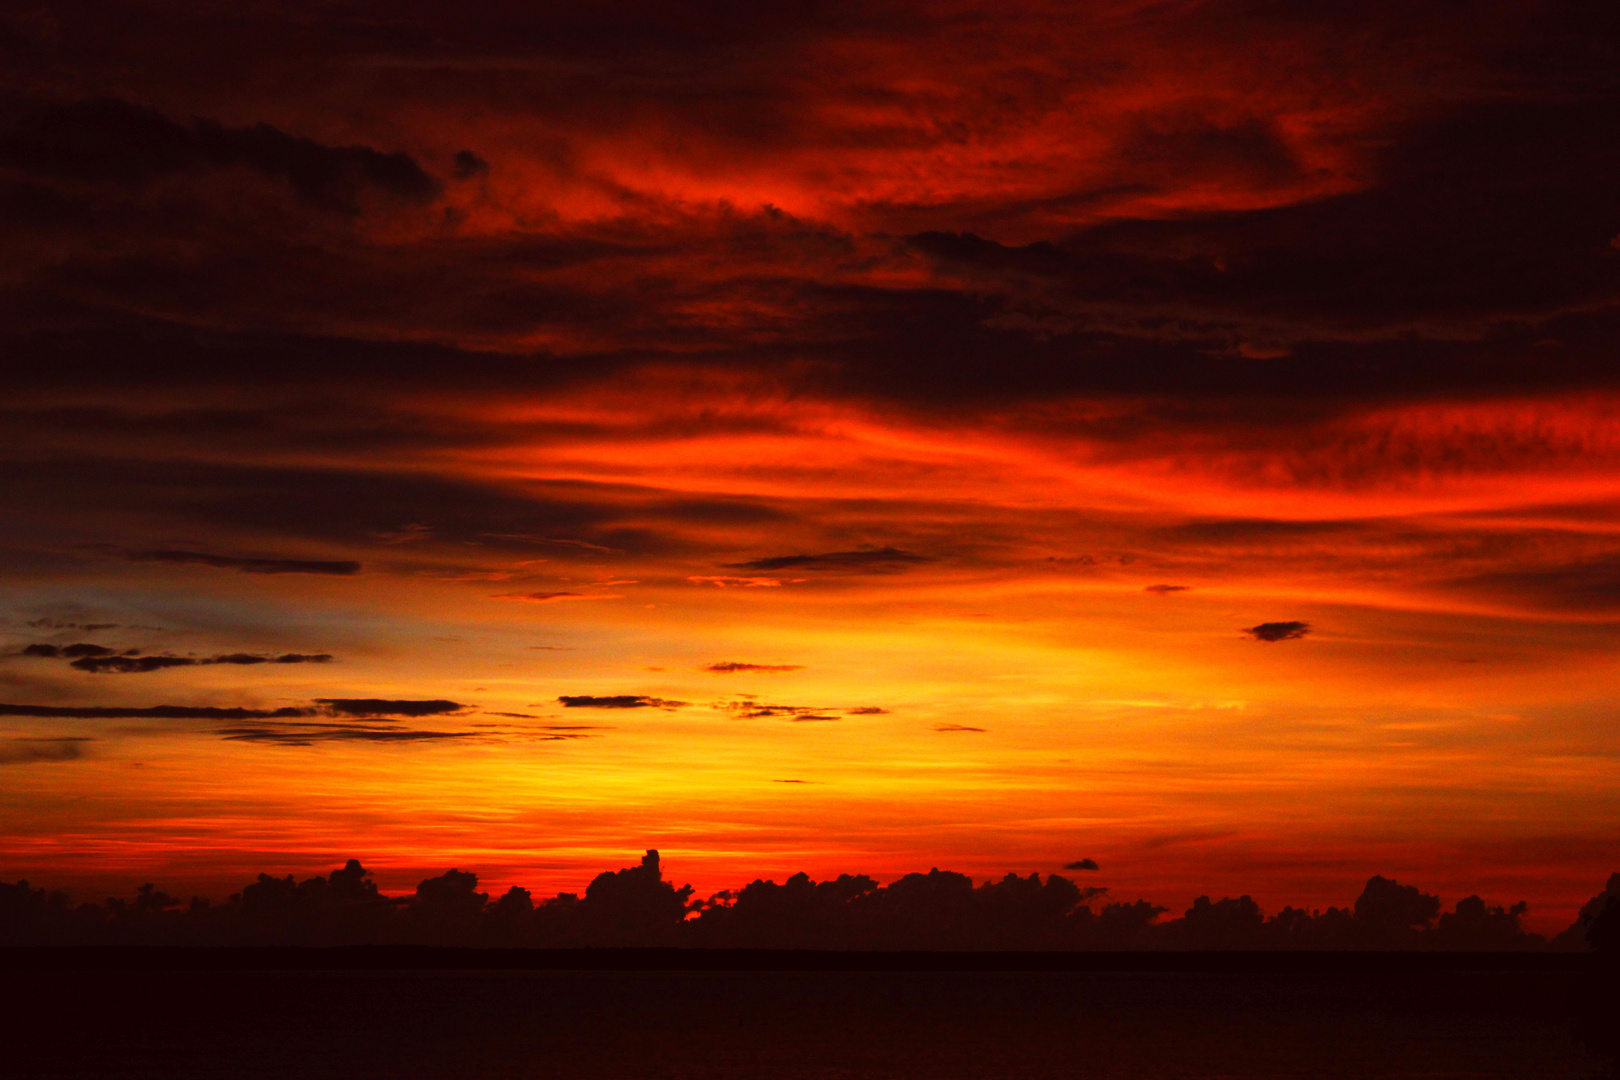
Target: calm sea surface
<point>825,1025</point>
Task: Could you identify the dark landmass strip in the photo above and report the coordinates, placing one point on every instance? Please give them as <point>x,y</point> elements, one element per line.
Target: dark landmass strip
<point>938,912</point>
<point>451,958</point>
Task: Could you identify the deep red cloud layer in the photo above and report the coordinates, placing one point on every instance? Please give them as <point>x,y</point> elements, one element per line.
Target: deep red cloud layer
<point>1002,363</point>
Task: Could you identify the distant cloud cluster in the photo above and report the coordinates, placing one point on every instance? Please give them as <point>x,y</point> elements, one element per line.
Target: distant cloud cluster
<point>100,659</point>
<point>732,667</point>
<point>1278,631</point>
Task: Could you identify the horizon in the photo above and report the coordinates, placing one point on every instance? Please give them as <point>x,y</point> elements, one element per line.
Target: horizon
<point>827,437</point>
<point>1092,893</point>
<point>637,906</point>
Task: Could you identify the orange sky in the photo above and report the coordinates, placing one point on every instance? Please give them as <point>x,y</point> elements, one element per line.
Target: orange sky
<point>989,370</point>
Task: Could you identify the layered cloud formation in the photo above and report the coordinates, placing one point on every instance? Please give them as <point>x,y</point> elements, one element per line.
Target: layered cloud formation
<point>1193,423</point>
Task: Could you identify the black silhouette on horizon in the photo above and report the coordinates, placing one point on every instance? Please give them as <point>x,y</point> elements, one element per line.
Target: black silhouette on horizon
<point>636,907</point>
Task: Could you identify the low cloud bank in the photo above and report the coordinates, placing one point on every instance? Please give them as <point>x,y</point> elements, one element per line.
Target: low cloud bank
<point>637,906</point>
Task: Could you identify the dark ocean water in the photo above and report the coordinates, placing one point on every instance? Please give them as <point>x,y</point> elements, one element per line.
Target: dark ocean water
<point>788,1025</point>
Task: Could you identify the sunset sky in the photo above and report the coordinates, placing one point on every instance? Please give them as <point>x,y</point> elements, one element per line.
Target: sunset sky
<point>813,436</point>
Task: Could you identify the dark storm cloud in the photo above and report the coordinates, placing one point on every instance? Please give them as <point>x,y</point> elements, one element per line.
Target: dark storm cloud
<point>1478,227</point>
<point>731,667</point>
<point>617,701</point>
<point>1278,631</point>
<point>33,751</point>
<point>1411,246</point>
<point>340,567</point>
<point>873,559</point>
<point>110,140</point>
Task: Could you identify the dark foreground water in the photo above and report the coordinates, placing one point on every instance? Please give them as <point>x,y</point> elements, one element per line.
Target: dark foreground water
<point>722,1025</point>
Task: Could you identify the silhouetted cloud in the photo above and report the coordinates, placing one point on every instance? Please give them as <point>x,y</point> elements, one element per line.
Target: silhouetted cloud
<point>106,139</point>
<point>1081,864</point>
<point>749,709</point>
<point>32,751</point>
<point>617,701</point>
<point>340,568</point>
<point>871,559</point>
<point>130,665</point>
<point>554,597</point>
<point>469,165</point>
<point>1278,631</point>
<point>389,706</point>
<point>958,727</point>
<point>45,650</point>
<point>353,707</point>
<point>309,734</point>
<point>1163,590</point>
<point>728,667</point>
<point>867,710</point>
<point>126,665</point>
<point>151,712</point>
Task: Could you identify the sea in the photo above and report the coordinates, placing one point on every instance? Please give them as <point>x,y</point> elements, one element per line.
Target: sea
<point>786,1025</point>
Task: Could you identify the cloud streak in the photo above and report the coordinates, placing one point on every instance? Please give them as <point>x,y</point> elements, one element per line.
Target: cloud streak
<point>27,751</point>
<point>336,567</point>
<point>873,560</point>
<point>1278,631</point>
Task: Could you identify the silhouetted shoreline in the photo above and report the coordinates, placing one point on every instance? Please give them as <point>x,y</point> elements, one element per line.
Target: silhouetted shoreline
<point>450,958</point>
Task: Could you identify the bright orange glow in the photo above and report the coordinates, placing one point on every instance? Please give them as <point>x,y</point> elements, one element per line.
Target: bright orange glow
<point>978,381</point>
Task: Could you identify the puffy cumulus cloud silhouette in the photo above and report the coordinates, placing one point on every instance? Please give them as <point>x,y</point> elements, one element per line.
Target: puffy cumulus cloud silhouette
<point>637,906</point>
